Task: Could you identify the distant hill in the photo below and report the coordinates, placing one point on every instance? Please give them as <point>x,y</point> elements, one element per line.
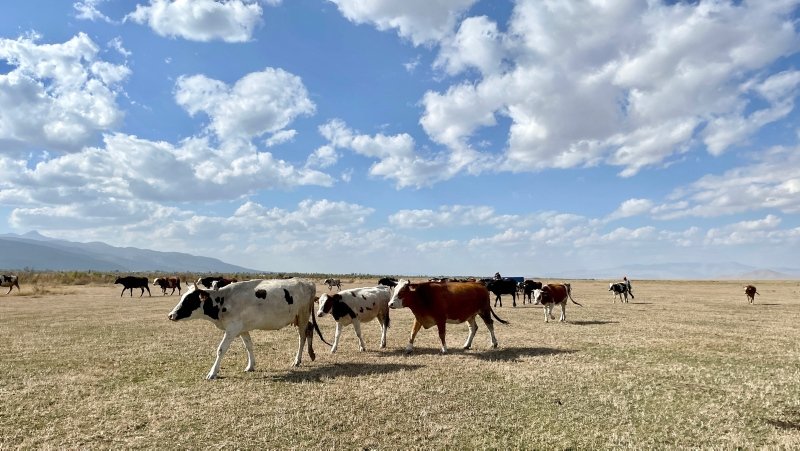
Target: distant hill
<point>35,251</point>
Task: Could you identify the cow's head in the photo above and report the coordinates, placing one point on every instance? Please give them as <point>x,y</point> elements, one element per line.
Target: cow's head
<point>196,303</point>
<point>119,280</point>
<point>326,303</point>
<point>402,290</point>
<point>158,281</point>
<point>543,296</point>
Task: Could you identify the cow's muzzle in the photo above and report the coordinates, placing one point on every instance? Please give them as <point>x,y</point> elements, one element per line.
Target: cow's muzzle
<point>173,317</point>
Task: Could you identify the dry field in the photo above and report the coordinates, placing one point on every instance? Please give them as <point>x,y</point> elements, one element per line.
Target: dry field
<point>688,364</point>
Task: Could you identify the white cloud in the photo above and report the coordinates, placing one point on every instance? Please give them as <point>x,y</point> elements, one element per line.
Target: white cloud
<point>771,183</point>
<point>280,137</point>
<point>477,44</point>
<point>323,157</point>
<point>201,20</point>
<point>58,96</point>
<point>116,44</point>
<point>630,84</point>
<point>134,169</point>
<point>258,103</point>
<point>87,10</point>
<point>757,231</point>
<point>445,216</point>
<point>632,207</point>
<point>396,155</point>
<point>421,21</point>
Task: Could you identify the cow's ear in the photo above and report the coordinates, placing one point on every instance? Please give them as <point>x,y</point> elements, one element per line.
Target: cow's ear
<point>412,287</point>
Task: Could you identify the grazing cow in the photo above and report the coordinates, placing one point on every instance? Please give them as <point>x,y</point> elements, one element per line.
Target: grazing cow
<point>527,290</point>
<point>620,289</point>
<point>441,303</point>
<point>749,291</point>
<point>254,304</point>
<point>356,306</point>
<point>387,281</point>
<point>168,282</point>
<point>131,282</point>
<point>333,283</point>
<point>10,282</point>
<point>208,282</point>
<point>552,294</point>
<point>503,286</point>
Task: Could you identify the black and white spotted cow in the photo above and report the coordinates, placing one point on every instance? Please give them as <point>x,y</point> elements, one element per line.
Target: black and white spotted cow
<point>254,304</point>
<point>333,283</point>
<point>620,289</point>
<point>356,306</point>
<point>10,282</point>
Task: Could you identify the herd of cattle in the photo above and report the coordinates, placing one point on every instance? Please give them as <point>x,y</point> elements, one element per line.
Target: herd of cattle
<point>240,307</point>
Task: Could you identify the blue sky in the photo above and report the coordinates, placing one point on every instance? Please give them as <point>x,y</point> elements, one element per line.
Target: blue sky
<point>413,137</point>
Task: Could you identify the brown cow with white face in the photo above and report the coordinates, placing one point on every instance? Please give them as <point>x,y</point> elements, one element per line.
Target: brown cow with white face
<point>552,294</point>
<point>750,292</point>
<point>434,303</point>
<point>166,283</point>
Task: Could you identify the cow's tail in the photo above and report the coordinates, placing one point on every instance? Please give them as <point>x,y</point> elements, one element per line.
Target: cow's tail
<point>569,294</point>
<point>497,317</point>
<point>315,327</point>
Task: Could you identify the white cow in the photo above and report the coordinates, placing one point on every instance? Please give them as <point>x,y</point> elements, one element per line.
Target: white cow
<point>255,304</point>
<point>356,306</point>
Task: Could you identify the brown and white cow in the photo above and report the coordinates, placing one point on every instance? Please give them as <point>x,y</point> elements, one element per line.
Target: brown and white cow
<point>10,282</point>
<point>168,282</point>
<point>441,303</point>
<point>254,304</point>
<point>552,294</point>
<point>356,306</point>
<point>750,292</point>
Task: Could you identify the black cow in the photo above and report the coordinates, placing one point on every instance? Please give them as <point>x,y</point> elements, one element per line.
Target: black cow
<point>131,282</point>
<point>208,282</point>
<point>527,290</point>
<point>9,281</point>
<point>387,281</point>
<point>620,289</point>
<point>503,286</point>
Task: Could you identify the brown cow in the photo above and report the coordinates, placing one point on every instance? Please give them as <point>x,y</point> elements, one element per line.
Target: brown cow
<point>552,294</point>
<point>750,292</point>
<point>441,303</point>
<point>168,282</point>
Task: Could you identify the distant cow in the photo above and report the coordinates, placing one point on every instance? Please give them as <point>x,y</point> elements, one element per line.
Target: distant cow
<point>552,294</point>
<point>441,303</point>
<point>333,283</point>
<point>620,289</point>
<point>208,282</point>
<point>387,281</point>
<point>503,286</point>
<point>356,306</point>
<point>255,304</point>
<point>10,282</point>
<point>168,282</point>
<point>528,288</point>
<point>749,291</point>
<point>131,282</point>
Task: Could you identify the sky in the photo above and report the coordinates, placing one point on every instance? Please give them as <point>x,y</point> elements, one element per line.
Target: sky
<point>440,137</point>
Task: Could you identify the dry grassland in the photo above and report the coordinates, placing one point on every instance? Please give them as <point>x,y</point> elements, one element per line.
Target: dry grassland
<point>689,364</point>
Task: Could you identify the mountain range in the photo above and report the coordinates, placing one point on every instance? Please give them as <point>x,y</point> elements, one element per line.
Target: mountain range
<point>37,252</point>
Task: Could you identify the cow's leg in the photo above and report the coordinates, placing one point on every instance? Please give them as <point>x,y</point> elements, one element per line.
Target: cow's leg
<point>546,313</point>
<point>487,319</point>
<point>473,328</point>
<point>414,330</point>
<point>221,350</point>
<point>563,311</point>
<point>9,289</point>
<point>248,346</point>
<point>302,325</point>
<point>384,319</point>
<point>514,299</point>
<point>336,336</point>
<point>357,327</point>
<point>442,327</point>
<point>140,294</point>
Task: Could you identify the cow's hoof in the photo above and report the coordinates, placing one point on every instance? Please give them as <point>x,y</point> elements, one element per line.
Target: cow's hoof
<point>211,376</point>
<point>466,348</point>
<point>362,349</point>
<point>444,350</point>
<point>249,369</point>
<point>409,349</point>
<point>494,345</point>
<point>296,363</point>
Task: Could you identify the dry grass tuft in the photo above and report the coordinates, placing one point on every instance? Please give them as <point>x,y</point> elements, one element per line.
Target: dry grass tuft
<point>689,364</point>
